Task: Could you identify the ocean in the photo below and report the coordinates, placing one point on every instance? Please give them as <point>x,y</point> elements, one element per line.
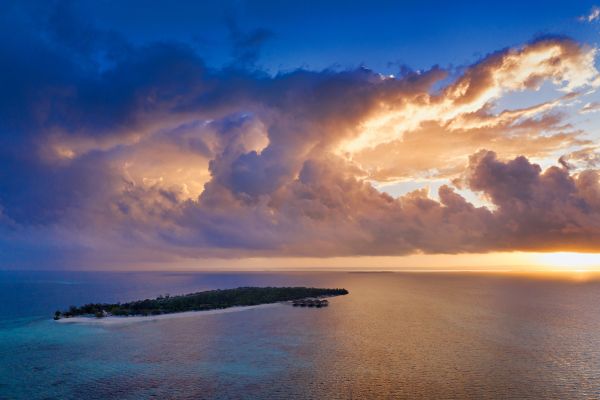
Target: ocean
<point>395,336</point>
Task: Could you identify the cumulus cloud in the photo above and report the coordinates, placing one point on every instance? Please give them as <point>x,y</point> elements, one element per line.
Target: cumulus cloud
<point>148,154</point>
<point>535,209</point>
<point>460,118</point>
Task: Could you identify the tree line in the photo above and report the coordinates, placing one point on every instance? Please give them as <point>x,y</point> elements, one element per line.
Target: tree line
<point>199,301</point>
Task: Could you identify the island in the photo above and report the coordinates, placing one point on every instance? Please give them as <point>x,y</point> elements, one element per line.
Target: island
<point>207,300</point>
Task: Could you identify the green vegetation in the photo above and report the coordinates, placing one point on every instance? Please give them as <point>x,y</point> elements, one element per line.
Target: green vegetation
<point>209,300</point>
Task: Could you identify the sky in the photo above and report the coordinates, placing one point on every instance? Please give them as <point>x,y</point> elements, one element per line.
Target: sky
<point>282,135</point>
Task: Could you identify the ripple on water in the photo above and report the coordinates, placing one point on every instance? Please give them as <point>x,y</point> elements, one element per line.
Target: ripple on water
<point>395,336</point>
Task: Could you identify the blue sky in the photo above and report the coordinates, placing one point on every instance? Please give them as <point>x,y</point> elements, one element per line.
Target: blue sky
<point>170,132</point>
<point>317,34</point>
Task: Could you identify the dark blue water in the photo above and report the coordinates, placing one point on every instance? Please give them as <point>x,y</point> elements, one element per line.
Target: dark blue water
<point>396,335</point>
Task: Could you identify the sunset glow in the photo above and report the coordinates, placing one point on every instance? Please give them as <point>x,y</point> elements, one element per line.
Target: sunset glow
<point>570,261</point>
<point>129,150</point>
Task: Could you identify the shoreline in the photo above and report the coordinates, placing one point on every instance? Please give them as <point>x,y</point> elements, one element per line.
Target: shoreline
<point>117,320</point>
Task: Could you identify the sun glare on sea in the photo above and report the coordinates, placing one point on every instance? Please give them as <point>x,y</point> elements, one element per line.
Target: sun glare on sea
<point>576,262</point>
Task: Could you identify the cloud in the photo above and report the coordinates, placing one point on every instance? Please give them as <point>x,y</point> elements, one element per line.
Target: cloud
<point>594,15</point>
<point>326,211</point>
<point>557,60</point>
<point>535,209</point>
<point>590,107</point>
<point>112,152</point>
<point>582,159</point>
<point>246,45</point>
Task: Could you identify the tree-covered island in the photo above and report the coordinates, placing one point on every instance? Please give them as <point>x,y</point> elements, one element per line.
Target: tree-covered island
<point>200,301</point>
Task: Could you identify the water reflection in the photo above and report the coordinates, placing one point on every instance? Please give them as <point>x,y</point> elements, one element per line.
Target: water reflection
<point>397,335</point>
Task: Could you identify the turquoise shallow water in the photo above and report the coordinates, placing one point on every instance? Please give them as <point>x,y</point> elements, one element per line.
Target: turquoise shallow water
<point>397,335</point>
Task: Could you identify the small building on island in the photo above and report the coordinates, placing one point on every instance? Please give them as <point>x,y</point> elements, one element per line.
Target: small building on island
<point>310,303</point>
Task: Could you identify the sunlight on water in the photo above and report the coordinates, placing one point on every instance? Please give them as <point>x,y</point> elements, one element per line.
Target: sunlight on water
<point>397,335</point>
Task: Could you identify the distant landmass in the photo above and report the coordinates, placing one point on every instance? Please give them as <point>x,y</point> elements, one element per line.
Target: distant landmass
<point>201,301</point>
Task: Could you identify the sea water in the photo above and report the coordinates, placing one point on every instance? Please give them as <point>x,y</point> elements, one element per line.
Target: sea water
<point>396,335</point>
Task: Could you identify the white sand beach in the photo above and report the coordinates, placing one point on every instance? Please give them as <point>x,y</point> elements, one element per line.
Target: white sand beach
<point>113,320</point>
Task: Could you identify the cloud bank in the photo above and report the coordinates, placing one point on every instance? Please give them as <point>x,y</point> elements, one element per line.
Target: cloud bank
<point>112,152</point>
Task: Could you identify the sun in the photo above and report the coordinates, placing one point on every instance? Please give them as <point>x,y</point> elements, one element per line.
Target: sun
<point>570,261</point>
